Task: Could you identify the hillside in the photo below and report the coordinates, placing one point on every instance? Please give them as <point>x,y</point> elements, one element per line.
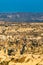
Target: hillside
<point>21,43</point>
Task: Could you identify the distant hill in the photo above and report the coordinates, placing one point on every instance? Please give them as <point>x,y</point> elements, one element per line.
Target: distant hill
<point>21,17</point>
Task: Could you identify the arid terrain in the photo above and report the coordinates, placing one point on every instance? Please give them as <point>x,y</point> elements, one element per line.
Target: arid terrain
<point>21,43</point>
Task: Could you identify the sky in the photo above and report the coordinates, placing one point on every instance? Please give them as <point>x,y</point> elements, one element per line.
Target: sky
<point>21,5</point>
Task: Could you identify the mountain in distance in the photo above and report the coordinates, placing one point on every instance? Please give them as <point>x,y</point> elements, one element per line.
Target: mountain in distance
<point>21,17</point>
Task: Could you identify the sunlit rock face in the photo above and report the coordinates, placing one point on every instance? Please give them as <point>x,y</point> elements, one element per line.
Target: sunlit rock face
<point>21,43</point>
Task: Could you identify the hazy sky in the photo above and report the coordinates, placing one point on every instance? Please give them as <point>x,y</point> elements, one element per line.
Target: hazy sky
<point>21,5</point>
